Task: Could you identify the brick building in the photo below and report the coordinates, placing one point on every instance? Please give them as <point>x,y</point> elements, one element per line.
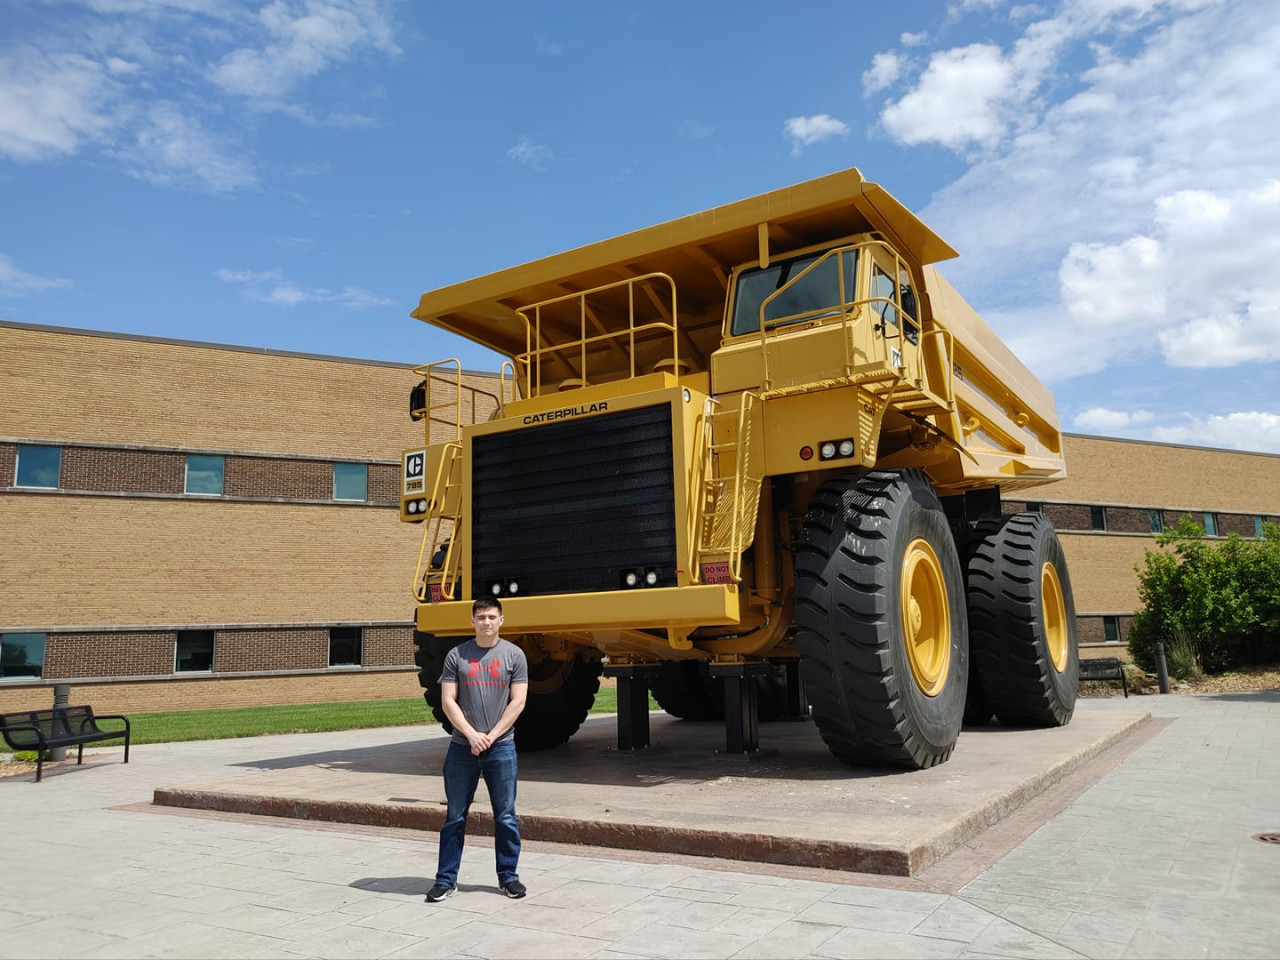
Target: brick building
<point>191,525</point>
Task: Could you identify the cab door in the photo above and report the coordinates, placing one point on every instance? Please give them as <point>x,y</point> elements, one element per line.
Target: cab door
<point>895,313</point>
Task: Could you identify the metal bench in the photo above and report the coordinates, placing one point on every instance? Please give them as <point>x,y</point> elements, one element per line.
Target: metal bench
<point>41,730</point>
<point>1104,668</point>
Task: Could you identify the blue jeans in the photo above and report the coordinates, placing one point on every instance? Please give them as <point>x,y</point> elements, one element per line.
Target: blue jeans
<point>462,773</point>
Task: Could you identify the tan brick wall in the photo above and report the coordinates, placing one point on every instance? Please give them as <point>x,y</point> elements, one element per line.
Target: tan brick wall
<point>124,471</point>
<point>245,651</point>
<point>8,462</point>
<point>119,654</point>
<point>73,561</point>
<point>209,692</point>
<point>277,477</point>
<point>1101,565</point>
<point>388,646</point>
<point>1122,471</point>
<point>384,483</point>
<point>71,387</point>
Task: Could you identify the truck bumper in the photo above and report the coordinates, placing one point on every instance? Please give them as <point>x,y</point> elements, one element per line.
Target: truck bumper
<point>709,604</point>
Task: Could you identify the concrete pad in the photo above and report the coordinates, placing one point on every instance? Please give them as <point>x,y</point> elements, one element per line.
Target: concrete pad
<point>792,803</point>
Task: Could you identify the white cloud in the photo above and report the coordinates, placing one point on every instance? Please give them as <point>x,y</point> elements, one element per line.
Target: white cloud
<point>1248,430</point>
<point>548,48</point>
<point>805,131</point>
<point>1108,286</point>
<point>270,286</point>
<point>884,71</point>
<point>696,130</point>
<point>531,153</point>
<point>146,82</point>
<point>1124,210</point>
<point>1102,420</point>
<point>959,99</point>
<point>298,40</point>
<point>17,283</point>
<point>171,148</point>
<point>51,104</point>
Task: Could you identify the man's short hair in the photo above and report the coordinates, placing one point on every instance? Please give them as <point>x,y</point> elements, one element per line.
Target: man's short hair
<point>486,603</point>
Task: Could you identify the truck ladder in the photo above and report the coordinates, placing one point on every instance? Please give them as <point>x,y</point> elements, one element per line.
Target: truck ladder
<point>728,485</point>
<point>434,534</point>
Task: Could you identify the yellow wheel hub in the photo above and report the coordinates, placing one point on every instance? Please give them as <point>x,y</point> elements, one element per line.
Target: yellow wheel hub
<point>1054,610</point>
<point>926,618</point>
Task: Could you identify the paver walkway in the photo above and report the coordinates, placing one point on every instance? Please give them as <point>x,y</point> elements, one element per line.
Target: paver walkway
<point>1154,859</point>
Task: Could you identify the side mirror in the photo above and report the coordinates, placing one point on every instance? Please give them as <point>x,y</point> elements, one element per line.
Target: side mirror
<point>418,401</point>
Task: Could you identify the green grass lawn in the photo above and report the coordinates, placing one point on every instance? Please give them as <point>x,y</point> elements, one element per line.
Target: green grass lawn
<point>300,718</point>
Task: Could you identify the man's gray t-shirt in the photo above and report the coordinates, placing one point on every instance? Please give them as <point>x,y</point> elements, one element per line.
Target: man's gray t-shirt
<point>484,676</point>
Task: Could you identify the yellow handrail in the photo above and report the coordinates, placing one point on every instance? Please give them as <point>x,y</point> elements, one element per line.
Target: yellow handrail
<point>453,391</point>
<point>536,351</point>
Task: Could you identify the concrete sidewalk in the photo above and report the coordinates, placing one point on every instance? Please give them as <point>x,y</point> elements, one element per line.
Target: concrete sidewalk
<point>1145,850</point>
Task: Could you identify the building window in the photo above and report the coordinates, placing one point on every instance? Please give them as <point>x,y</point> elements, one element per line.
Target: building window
<point>193,652</point>
<point>1098,517</point>
<point>38,466</point>
<point>346,646</point>
<point>350,481</point>
<point>1111,629</point>
<point>1034,506</point>
<point>204,474</point>
<point>1157,520</point>
<point>21,655</point>
<point>1211,524</point>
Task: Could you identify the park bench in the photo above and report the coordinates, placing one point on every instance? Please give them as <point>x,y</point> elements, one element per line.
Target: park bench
<point>41,730</point>
<point>1104,668</point>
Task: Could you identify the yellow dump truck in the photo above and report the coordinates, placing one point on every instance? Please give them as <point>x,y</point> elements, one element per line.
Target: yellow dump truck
<point>750,461</point>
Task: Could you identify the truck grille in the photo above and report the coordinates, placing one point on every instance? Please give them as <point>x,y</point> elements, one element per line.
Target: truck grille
<point>570,507</point>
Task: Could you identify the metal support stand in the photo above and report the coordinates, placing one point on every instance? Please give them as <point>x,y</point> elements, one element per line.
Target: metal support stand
<point>61,698</point>
<point>741,705</point>
<point>633,703</point>
<point>797,702</point>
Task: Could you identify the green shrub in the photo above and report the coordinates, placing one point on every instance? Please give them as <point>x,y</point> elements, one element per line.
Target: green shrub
<point>1214,605</point>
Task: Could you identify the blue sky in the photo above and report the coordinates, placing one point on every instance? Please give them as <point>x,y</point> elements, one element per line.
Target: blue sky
<point>294,174</point>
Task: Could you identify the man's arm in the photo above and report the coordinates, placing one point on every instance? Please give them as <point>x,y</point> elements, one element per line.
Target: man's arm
<point>479,742</point>
<point>519,694</point>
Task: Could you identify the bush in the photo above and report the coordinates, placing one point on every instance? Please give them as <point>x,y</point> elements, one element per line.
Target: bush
<point>1212,605</point>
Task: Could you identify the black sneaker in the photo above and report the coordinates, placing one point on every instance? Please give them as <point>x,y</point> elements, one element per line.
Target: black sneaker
<point>514,889</point>
<point>440,892</point>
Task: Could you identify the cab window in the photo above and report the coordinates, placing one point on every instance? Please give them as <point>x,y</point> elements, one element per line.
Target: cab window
<point>815,296</point>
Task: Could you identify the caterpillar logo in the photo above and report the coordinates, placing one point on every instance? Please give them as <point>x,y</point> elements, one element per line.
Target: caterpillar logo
<point>565,412</point>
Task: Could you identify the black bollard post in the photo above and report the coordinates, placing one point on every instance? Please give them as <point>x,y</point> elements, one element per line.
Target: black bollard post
<point>1162,668</point>
<point>61,698</point>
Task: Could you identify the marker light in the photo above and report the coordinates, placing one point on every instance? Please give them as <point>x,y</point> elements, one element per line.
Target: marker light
<point>806,453</point>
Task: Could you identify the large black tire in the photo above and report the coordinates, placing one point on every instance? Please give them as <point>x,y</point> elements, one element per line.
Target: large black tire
<point>561,693</point>
<point>686,689</point>
<point>1022,621</point>
<point>880,620</point>
<point>429,652</point>
<point>977,712</point>
<point>560,696</point>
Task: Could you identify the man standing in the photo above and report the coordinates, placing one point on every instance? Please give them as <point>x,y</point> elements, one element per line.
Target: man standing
<point>482,690</point>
